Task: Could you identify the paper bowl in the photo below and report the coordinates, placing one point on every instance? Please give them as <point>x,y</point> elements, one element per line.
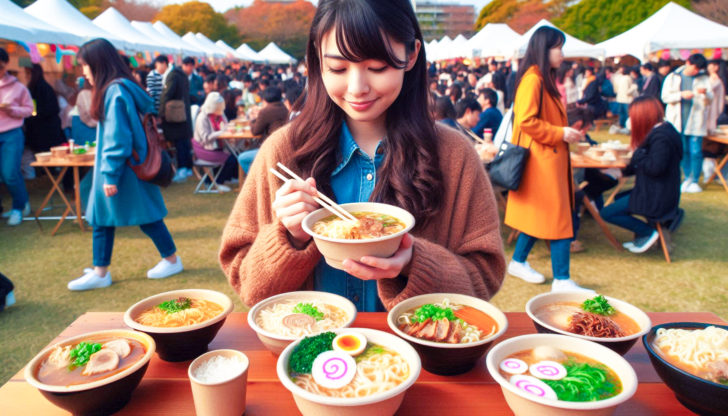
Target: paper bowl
<point>101,397</point>
<point>186,342</point>
<point>336,250</point>
<point>380,404</point>
<point>527,404</point>
<point>439,357</point>
<point>619,345</point>
<point>43,156</point>
<point>277,343</point>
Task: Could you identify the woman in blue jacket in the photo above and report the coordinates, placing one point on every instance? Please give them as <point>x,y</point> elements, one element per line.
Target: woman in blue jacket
<point>118,198</point>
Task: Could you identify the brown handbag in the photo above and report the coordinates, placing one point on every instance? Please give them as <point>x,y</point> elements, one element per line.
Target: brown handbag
<point>157,166</point>
<point>174,111</point>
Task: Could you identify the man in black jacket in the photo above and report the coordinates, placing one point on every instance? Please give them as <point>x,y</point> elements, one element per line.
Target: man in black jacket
<point>652,85</point>
<point>176,122</point>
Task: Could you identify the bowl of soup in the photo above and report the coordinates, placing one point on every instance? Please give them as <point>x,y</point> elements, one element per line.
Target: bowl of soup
<point>607,321</point>
<point>692,359</point>
<point>92,373</point>
<point>551,374</point>
<point>281,319</point>
<point>182,322</point>
<point>378,231</point>
<point>449,331</point>
<point>348,372</point>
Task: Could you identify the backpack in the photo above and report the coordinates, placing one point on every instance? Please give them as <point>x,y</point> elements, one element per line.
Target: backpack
<point>157,167</point>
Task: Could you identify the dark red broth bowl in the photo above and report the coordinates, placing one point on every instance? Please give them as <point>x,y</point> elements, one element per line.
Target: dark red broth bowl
<point>697,394</point>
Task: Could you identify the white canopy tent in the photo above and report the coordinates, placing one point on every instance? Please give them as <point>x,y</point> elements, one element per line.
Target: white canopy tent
<point>671,27</point>
<point>115,22</point>
<point>494,39</point>
<point>273,54</point>
<point>440,51</point>
<point>460,48</point>
<point>17,25</point>
<point>204,40</point>
<point>147,29</point>
<point>573,48</point>
<point>431,50</point>
<point>190,38</point>
<point>63,15</point>
<point>249,53</point>
<point>169,34</point>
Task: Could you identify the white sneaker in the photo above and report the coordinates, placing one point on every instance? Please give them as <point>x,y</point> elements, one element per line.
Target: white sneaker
<point>525,272</point>
<point>15,218</point>
<point>693,188</point>
<point>685,185</point>
<point>10,299</point>
<point>90,280</point>
<point>567,285</point>
<point>26,211</point>
<point>643,244</point>
<point>165,269</point>
<point>629,245</point>
<point>180,176</point>
<point>708,168</point>
<point>223,188</point>
<point>613,129</point>
<point>187,172</point>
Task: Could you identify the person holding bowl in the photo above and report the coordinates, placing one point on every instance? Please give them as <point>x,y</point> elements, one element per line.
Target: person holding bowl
<point>365,134</point>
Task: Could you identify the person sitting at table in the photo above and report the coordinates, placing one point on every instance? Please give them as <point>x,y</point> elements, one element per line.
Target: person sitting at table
<point>491,116</point>
<point>118,197</point>
<point>210,124</point>
<point>467,111</point>
<point>265,120</point>
<point>365,134</point>
<point>443,111</point>
<point>656,165</point>
<point>592,97</point>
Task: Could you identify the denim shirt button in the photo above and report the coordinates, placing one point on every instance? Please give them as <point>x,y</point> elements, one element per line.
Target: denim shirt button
<point>370,176</point>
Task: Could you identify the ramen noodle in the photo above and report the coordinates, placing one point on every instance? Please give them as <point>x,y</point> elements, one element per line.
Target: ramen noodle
<point>198,311</point>
<point>701,352</point>
<point>369,225</point>
<point>275,318</point>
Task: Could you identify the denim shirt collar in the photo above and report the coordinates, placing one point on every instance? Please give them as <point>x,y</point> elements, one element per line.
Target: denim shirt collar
<point>348,147</point>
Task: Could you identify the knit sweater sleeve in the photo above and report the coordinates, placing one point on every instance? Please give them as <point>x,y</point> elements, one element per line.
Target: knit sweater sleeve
<point>461,251</point>
<point>256,254</point>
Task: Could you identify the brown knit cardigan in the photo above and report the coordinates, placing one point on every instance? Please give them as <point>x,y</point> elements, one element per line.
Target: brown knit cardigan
<point>458,251</point>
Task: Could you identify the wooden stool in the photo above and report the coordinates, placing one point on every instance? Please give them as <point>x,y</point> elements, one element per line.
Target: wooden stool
<point>664,241</point>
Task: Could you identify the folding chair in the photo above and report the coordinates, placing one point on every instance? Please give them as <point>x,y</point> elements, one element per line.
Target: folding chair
<point>210,171</point>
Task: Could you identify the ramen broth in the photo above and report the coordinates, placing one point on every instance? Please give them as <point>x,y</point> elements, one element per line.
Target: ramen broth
<point>447,322</point>
<point>190,312</point>
<point>370,225</point>
<point>65,375</point>
<point>560,315</point>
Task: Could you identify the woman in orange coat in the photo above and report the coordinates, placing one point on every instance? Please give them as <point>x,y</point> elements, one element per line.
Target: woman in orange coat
<point>542,206</point>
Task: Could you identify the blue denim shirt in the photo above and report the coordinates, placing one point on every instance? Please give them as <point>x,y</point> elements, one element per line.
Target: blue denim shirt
<point>352,180</point>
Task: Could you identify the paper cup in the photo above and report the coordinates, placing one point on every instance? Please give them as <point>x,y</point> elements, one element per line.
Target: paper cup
<point>224,397</point>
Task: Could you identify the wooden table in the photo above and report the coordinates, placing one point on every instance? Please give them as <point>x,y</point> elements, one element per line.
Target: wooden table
<point>229,139</point>
<point>719,165</point>
<point>165,389</point>
<point>75,208</point>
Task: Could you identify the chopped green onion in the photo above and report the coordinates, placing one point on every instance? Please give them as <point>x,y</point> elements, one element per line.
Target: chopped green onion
<point>308,309</point>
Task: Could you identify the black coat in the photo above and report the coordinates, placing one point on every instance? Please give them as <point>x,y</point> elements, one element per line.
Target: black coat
<point>593,99</point>
<point>176,87</point>
<point>43,130</point>
<point>652,87</point>
<point>656,166</point>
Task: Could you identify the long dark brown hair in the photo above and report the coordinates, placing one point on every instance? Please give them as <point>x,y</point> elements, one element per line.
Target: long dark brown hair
<point>542,41</point>
<point>409,176</point>
<point>106,66</point>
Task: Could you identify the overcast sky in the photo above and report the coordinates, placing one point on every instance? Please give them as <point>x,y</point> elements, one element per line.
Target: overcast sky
<point>223,5</point>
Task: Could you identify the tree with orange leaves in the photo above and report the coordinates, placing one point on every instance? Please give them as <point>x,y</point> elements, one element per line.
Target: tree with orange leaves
<point>196,16</point>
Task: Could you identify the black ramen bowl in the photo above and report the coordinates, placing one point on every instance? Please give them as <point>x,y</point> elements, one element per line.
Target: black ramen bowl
<point>619,345</point>
<point>697,394</point>
<point>439,357</point>
<point>101,397</point>
<point>185,342</point>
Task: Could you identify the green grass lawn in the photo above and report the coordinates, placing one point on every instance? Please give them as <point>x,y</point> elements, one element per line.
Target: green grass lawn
<point>41,265</point>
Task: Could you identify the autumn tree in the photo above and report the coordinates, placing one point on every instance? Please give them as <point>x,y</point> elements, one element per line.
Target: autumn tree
<point>715,10</point>
<point>286,24</point>
<point>196,16</point>
<point>520,15</point>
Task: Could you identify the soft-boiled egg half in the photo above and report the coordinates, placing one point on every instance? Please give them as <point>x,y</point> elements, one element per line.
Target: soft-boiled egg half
<point>352,343</point>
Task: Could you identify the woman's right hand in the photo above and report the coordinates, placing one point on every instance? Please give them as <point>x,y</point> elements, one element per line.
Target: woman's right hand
<point>572,135</point>
<point>294,200</point>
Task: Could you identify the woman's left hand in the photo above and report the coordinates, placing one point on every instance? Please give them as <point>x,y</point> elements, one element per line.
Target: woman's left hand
<point>110,190</point>
<point>376,268</point>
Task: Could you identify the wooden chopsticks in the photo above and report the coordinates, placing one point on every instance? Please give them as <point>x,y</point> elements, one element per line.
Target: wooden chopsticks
<point>322,199</point>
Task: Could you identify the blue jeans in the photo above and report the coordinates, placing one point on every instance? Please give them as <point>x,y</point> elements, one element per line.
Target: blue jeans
<point>622,113</point>
<point>692,161</point>
<point>246,159</point>
<point>559,254</point>
<point>103,241</point>
<point>11,152</point>
<point>617,213</point>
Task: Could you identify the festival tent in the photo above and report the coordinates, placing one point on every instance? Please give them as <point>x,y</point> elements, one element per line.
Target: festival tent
<point>431,50</point>
<point>115,22</point>
<point>494,40</point>
<point>228,49</point>
<point>248,53</point>
<point>169,34</point>
<point>17,25</point>
<point>63,15</point>
<point>210,45</point>
<point>147,29</point>
<point>273,54</point>
<point>442,48</point>
<point>673,27</point>
<point>460,48</point>
<point>573,47</point>
<point>190,38</point>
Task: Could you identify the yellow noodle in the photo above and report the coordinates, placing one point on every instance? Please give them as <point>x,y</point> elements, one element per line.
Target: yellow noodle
<point>199,311</point>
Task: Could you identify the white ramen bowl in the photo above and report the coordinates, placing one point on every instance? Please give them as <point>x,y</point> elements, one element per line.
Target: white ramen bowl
<point>380,404</point>
<point>526,404</point>
<point>336,250</point>
<point>277,343</point>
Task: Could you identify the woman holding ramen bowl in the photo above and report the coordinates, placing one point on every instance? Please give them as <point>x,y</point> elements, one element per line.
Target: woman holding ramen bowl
<point>365,134</point>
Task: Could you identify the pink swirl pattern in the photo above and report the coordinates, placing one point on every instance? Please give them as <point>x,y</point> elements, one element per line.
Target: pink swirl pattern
<point>335,368</point>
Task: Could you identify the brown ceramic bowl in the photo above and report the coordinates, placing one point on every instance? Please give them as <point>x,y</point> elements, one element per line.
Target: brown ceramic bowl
<point>336,250</point>
<point>277,343</point>
<point>186,342</point>
<point>101,397</point>
<point>439,357</point>
<point>379,404</point>
<point>619,345</point>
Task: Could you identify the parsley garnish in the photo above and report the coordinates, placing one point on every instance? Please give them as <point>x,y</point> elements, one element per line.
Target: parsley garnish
<point>599,306</point>
<point>175,305</point>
